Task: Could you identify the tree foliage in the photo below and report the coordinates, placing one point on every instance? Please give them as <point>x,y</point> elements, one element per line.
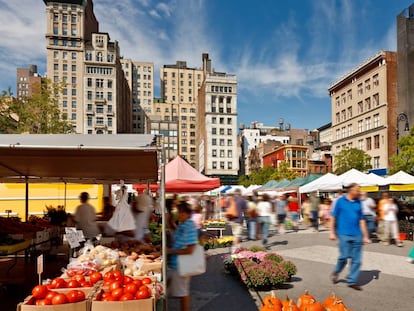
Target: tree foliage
<point>351,158</point>
<point>38,114</point>
<point>266,173</point>
<point>404,160</point>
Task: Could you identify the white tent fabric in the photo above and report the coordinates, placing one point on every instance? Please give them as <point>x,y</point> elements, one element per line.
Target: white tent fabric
<point>234,188</point>
<point>328,182</point>
<point>376,179</point>
<point>250,189</point>
<point>399,178</point>
<point>355,176</point>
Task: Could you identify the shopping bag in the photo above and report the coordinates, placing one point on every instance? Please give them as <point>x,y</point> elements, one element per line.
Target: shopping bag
<point>122,218</point>
<point>192,264</point>
<point>411,253</point>
<point>231,211</point>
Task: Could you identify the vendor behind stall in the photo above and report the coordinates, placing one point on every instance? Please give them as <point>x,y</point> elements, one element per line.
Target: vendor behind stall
<point>85,217</point>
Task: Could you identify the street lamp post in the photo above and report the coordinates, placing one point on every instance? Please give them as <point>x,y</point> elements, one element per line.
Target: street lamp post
<point>402,117</point>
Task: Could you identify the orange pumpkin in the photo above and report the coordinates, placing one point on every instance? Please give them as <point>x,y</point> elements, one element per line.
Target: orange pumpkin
<point>271,303</point>
<point>333,299</point>
<point>289,305</point>
<point>336,306</point>
<point>312,306</point>
<point>305,299</point>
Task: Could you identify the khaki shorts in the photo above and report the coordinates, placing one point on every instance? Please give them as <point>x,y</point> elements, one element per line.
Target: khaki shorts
<point>177,286</point>
<point>236,229</point>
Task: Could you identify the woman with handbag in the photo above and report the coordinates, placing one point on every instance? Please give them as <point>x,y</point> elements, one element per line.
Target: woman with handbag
<point>184,243</point>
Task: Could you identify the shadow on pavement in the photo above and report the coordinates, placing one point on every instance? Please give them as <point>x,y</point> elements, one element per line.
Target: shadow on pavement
<point>216,290</point>
<point>366,277</point>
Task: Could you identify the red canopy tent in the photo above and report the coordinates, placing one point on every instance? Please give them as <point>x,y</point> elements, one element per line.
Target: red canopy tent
<point>181,177</point>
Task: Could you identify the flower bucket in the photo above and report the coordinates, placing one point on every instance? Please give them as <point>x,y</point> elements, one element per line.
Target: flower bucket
<point>403,236</point>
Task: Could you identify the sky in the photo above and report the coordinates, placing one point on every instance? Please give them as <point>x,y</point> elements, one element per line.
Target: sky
<point>285,53</point>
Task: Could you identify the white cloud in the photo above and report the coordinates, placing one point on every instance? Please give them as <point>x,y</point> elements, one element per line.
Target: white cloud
<point>165,9</point>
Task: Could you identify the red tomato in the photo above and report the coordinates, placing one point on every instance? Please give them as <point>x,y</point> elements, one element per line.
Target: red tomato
<point>127,296</point>
<point>143,287</point>
<point>118,275</point>
<point>109,276</point>
<point>59,299</point>
<point>115,285</point>
<point>40,291</point>
<point>43,302</point>
<point>75,295</point>
<point>79,277</point>
<point>138,283</point>
<point>105,294</point>
<point>58,283</point>
<point>50,295</point>
<point>146,281</point>
<point>142,294</point>
<point>73,284</point>
<point>109,298</point>
<point>117,293</point>
<point>128,279</point>
<point>95,277</point>
<point>107,283</point>
<point>131,288</point>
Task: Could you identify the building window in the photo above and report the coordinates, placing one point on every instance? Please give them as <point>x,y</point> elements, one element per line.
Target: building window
<point>361,144</point>
<point>338,134</point>
<point>368,143</point>
<point>376,120</point>
<point>99,57</point>
<point>214,131</point>
<point>376,142</point>
<point>221,131</point>
<point>229,153</point>
<point>229,121</point>
<point>343,129</point>
<point>90,95</point>
<point>343,113</point>
<point>360,126</point>
<point>368,123</point>
<point>73,92</point>
<point>375,100</point>
<point>349,94</point>
<point>89,107</point>
<point>221,142</point>
<point>375,81</point>
<point>229,132</point>
<point>89,82</point>
<point>89,121</point>
<point>73,55</point>
<point>56,67</point>
<point>73,103</point>
<point>350,130</point>
<point>109,84</point>
<point>214,153</point>
<point>214,164</point>
<point>367,85</point>
<point>360,107</point>
<point>376,162</point>
<point>214,120</point>
<point>109,121</point>
<point>214,142</point>
<point>109,96</point>
<point>99,109</point>
<point>230,165</point>
<point>337,101</point>
<point>74,116</point>
<point>338,117</point>
<point>99,83</point>
<point>349,112</point>
<point>222,165</point>
<point>221,153</point>
<point>65,104</point>
<point>229,142</point>
<point>100,120</point>
<point>360,91</point>
<point>368,103</point>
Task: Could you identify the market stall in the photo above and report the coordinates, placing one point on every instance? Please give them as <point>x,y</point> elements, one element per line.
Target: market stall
<point>103,159</point>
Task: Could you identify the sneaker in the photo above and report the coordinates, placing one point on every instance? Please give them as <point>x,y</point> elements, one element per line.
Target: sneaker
<point>334,277</point>
<point>400,244</point>
<point>409,260</point>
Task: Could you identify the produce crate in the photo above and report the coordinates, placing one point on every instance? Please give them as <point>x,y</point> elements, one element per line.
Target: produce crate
<point>130,305</point>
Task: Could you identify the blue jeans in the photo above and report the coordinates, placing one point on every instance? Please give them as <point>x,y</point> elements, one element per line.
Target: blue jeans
<point>251,228</point>
<point>350,247</point>
<point>264,227</point>
<point>315,219</point>
<point>370,220</point>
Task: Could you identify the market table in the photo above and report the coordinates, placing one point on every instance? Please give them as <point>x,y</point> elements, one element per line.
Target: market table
<point>13,250</point>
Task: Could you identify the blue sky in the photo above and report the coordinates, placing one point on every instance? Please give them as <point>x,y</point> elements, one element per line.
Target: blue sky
<point>284,53</point>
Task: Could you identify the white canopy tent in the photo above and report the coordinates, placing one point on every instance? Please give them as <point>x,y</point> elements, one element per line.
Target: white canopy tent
<point>399,178</point>
<point>355,176</point>
<point>326,183</point>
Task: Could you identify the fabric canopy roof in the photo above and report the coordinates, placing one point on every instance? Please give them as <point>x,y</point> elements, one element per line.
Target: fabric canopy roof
<point>399,178</point>
<point>181,177</point>
<point>355,176</point>
<point>328,182</point>
<point>78,158</point>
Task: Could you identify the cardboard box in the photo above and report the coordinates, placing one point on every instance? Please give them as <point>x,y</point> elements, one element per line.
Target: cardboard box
<point>131,305</point>
<point>76,306</point>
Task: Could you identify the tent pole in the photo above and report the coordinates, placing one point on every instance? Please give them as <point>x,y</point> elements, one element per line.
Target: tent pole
<point>26,210</point>
<point>64,201</point>
<point>164,229</point>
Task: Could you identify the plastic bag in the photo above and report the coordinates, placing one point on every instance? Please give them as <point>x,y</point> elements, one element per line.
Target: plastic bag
<point>122,219</point>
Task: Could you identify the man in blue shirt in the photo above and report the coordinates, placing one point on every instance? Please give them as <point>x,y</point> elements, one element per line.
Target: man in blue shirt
<point>349,227</point>
<point>185,239</point>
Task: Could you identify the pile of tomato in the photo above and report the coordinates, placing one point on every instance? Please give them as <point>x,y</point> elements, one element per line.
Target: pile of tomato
<point>42,296</point>
<point>78,280</point>
<point>122,288</point>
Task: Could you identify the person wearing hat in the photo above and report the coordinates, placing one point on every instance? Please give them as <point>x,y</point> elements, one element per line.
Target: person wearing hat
<point>85,217</point>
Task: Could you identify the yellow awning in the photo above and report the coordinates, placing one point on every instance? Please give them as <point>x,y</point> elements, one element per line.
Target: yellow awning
<point>409,187</point>
<point>370,188</point>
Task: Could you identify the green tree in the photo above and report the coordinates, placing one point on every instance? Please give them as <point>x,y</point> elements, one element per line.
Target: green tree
<point>404,160</point>
<point>261,176</point>
<point>351,158</point>
<point>283,171</point>
<point>38,114</point>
